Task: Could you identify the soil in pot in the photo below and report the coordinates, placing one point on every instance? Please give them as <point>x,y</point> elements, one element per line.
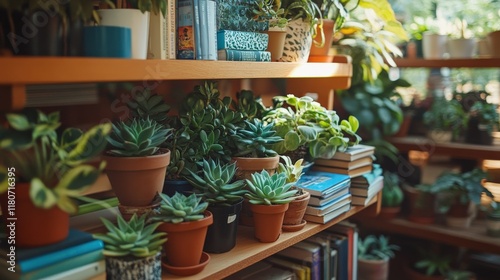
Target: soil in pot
<point>221,235</point>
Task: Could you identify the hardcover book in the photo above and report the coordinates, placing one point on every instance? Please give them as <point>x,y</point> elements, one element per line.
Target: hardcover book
<point>241,40</point>
<point>375,188</point>
<point>351,173</point>
<point>349,165</point>
<point>301,271</point>
<point>322,210</point>
<point>322,183</point>
<point>241,55</point>
<point>328,216</point>
<point>366,191</point>
<point>307,254</point>
<point>157,45</point>
<point>323,200</point>
<point>355,152</point>
<point>351,231</point>
<point>366,179</point>
<point>185,29</point>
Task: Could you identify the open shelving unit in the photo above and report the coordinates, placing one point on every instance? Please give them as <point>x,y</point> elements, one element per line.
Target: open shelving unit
<point>480,62</point>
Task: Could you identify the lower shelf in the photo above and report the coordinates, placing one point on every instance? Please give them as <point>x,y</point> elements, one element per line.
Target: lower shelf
<point>474,238</point>
<point>249,251</point>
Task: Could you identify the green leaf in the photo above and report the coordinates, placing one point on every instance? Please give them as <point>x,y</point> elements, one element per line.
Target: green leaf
<point>41,196</point>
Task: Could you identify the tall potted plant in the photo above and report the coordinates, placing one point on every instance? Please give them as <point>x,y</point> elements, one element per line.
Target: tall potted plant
<point>374,253</point>
<point>185,220</point>
<point>42,172</point>
<point>132,248</point>
<point>136,163</point>
<point>392,196</point>
<point>269,197</point>
<point>225,197</point>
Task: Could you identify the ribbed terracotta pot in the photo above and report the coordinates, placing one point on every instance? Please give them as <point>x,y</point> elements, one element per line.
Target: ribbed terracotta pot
<point>32,226</point>
<point>373,269</point>
<point>184,246</point>
<point>134,268</point>
<point>137,180</point>
<point>295,213</point>
<point>268,220</point>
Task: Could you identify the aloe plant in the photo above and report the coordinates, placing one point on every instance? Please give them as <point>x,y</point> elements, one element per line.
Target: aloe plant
<point>255,140</point>
<point>136,138</point>
<point>133,238</point>
<point>217,185</point>
<point>269,189</point>
<point>180,208</point>
<point>53,165</point>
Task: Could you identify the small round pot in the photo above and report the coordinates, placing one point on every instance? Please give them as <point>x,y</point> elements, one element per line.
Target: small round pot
<point>373,269</point>
<point>268,220</point>
<point>296,210</point>
<point>247,166</point>
<point>133,268</point>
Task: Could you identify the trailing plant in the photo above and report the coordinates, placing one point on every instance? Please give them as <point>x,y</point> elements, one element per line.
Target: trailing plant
<point>179,208</point>
<point>269,189</point>
<point>216,186</point>
<point>255,140</point>
<point>301,121</point>
<point>134,238</point>
<point>137,138</point>
<point>52,164</point>
<point>374,247</point>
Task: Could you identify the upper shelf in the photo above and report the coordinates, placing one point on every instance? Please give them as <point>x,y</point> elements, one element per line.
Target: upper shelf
<point>50,70</point>
<point>490,62</point>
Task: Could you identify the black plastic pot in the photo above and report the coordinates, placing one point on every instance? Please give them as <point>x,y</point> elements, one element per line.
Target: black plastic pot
<point>221,235</point>
<point>170,187</point>
<point>476,134</point>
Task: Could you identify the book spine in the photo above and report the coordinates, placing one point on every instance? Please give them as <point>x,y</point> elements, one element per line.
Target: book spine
<point>185,30</point>
<point>57,256</point>
<point>241,40</point>
<point>157,47</point>
<point>212,30</point>
<point>240,55</point>
<point>171,19</point>
<point>201,30</point>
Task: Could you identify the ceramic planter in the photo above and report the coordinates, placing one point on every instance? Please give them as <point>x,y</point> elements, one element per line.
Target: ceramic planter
<point>137,180</point>
<point>321,53</point>
<point>434,45</point>
<point>298,41</point>
<point>34,227</point>
<point>247,166</point>
<point>184,246</point>
<point>440,136</point>
<point>134,19</point>
<point>373,269</point>
<point>293,219</point>
<point>133,268</point>
<point>221,235</point>
<point>276,43</point>
<point>461,48</point>
<point>268,220</point>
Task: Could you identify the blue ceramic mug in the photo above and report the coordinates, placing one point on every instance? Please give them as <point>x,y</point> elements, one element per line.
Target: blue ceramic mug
<point>107,41</point>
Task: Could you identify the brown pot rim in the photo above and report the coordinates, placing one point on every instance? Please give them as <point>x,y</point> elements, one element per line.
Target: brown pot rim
<point>264,163</point>
<point>186,226</point>
<point>124,163</point>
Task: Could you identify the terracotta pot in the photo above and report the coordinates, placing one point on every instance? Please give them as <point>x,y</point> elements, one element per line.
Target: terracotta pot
<point>137,180</point>
<point>246,166</point>
<point>420,205</point>
<point>268,220</point>
<point>134,268</point>
<point>389,212</point>
<point>184,246</point>
<point>276,43</point>
<point>325,37</point>
<point>296,209</point>
<point>32,226</point>
<point>373,269</point>
<point>128,211</point>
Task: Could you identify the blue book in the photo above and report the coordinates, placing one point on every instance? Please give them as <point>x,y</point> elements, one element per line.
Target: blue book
<point>77,243</point>
<point>242,40</point>
<point>242,55</point>
<point>320,183</point>
<point>185,29</point>
<point>197,29</point>
<point>332,205</point>
<point>55,268</point>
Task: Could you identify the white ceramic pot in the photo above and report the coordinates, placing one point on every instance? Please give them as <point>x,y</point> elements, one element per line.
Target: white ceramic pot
<point>461,48</point>
<point>440,136</point>
<point>483,48</point>
<point>137,21</point>
<point>298,42</point>
<point>434,45</point>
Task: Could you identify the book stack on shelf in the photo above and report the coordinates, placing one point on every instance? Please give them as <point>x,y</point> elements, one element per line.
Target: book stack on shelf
<point>366,186</point>
<point>242,46</point>
<point>79,256</point>
<point>355,161</point>
<point>330,195</point>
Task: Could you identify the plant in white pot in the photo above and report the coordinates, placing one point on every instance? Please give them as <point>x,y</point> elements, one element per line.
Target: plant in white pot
<point>269,197</point>
<point>374,253</point>
<point>132,249</point>
<point>224,195</point>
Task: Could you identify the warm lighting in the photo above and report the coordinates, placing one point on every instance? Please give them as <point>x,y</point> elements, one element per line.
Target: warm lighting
<point>418,158</point>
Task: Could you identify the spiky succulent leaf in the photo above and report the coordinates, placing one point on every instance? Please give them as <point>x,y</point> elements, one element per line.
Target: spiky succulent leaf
<point>256,139</point>
<point>180,208</point>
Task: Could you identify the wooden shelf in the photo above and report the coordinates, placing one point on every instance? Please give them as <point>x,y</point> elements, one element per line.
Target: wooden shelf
<point>46,70</point>
<point>474,238</point>
<point>457,150</point>
<point>249,251</point>
<point>490,62</point>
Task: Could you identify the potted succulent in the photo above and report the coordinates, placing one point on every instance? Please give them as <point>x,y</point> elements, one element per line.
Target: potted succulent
<point>483,120</point>
<point>445,120</point>
<point>185,220</point>
<point>43,171</point>
<point>374,253</point>
<point>225,197</point>
<point>392,196</point>
<point>293,216</point>
<point>420,203</point>
<point>309,128</point>
<point>136,162</point>
<point>132,248</point>
<point>460,193</point>
<point>269,197</point>
<point>493,220</point>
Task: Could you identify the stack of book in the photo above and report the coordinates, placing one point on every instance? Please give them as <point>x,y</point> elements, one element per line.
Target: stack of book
<point>330,195</point>
<point>242,46</point>
<point>79,256</point>
<point>366,186</point>
<point>355,161</point>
